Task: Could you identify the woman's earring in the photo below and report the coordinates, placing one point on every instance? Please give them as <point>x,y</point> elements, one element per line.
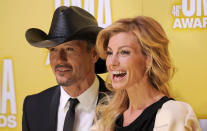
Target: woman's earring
<point>148,68</point>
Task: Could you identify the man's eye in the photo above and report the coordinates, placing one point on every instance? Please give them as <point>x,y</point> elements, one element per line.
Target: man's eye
<point>70,49</point>
<point>109,53</point>
<point>124,52</point>
<point>52,49</point>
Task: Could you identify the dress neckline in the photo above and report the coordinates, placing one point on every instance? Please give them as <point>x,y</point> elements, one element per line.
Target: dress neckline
<point>144,115</point>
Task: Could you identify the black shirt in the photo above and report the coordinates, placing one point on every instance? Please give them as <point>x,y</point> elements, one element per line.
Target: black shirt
<point>145,122</point>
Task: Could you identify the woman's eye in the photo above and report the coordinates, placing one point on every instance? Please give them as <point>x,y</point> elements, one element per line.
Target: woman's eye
<point>125,52</point>
<point>109,53</point>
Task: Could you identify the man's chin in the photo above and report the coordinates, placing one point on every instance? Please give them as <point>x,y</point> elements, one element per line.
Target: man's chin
<point>63,82</point>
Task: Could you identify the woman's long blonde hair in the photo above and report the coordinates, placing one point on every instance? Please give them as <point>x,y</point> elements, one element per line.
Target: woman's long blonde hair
<point>154,44</point>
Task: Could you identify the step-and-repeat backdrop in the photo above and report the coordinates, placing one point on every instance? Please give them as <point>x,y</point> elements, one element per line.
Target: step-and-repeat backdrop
<point>25,70</point>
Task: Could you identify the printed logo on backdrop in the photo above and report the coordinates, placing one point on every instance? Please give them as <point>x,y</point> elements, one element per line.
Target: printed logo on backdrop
<point>8,110</point>
<point>189,14</point>
<point>103,11</point>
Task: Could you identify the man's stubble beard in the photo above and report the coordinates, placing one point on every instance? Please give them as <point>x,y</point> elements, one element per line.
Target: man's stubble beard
<point>68,82</point>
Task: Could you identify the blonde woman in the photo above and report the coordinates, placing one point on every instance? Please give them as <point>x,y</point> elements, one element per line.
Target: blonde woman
<point>139,66</point>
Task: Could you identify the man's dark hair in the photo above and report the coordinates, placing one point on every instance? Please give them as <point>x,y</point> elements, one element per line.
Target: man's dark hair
<point>90,45</point>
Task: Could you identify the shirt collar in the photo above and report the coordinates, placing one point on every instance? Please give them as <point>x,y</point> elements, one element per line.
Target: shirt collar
<point>87,99</point>
<point>64,97</point>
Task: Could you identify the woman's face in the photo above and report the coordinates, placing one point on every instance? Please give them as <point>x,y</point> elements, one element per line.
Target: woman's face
<point>125,61</point>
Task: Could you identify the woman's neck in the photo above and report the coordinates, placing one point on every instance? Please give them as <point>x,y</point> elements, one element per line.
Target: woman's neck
<point>142,95</point>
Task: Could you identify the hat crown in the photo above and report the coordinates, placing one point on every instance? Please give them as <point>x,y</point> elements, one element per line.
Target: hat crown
<point>68,21</point>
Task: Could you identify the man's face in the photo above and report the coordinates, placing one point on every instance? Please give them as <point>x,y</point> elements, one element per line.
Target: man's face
<point>71,62</point>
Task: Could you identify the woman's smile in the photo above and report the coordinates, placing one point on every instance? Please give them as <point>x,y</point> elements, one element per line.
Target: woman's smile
<point>118,75</point>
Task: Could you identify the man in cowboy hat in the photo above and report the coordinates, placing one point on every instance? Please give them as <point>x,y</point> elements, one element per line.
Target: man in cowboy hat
<point>73,58</point>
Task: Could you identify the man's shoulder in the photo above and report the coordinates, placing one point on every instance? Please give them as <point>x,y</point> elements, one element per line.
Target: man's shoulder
<point>102,86</point>
<point>103,91</point>
<point>45,94</point>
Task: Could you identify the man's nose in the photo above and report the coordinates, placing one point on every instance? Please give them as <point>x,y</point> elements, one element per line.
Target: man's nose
<point>62,55</point>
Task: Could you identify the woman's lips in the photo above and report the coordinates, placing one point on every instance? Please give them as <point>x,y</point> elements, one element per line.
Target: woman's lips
<point>118,75</point>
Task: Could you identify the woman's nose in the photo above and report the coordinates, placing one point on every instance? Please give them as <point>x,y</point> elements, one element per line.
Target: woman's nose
<point>114,61</point>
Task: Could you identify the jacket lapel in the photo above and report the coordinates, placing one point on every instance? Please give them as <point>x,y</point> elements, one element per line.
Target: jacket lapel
<point>54,104</point>
<point>102,89</point>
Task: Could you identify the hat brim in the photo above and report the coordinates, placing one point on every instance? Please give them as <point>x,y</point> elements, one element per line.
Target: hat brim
<point>39,38</point>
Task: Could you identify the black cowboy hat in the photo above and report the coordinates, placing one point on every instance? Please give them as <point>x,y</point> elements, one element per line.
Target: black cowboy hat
<point>68,23</point>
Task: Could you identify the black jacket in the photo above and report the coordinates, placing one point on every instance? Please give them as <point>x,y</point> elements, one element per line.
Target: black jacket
<point>40,110</point>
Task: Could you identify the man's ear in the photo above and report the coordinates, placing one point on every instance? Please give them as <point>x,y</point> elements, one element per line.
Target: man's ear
<point>94,55</point>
